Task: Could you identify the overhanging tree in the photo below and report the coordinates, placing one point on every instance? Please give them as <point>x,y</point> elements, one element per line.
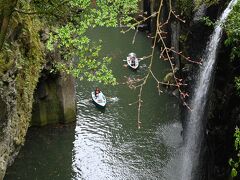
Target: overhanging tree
<point>68,21</point>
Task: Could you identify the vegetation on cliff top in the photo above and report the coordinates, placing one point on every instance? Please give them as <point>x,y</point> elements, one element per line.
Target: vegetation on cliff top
<point>233,31</point>
<point>236,163</point>
<point>232,28</point>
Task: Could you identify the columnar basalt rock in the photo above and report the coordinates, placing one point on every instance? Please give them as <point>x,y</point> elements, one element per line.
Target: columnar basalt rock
<point>58,93</point>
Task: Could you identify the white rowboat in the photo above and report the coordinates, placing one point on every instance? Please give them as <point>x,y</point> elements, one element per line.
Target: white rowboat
<point>132,61</point>
<point>99,100</point>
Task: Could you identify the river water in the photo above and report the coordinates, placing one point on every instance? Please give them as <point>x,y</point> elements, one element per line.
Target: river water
<point>108,145</point>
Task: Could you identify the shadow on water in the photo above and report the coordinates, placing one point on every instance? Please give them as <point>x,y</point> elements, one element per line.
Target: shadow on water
<point>102,110</point>
<point>47,154</point>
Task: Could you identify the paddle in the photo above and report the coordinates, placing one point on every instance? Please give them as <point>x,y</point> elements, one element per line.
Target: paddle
<point>138,59</point>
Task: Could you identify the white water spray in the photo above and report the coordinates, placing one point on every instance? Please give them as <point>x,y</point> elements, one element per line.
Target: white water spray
<point>194,129</point>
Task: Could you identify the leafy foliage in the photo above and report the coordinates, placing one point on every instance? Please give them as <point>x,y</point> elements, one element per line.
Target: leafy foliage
<point>208,22</point>
<point>237,84</point>
<point>70,39</point>
<point>186,7</point>
<point>235,163</point>
<point>232,27</point>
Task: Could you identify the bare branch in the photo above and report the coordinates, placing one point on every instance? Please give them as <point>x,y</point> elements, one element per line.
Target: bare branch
<point>166,53</point>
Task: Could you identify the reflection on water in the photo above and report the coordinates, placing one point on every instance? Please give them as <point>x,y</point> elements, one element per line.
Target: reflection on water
<point>108,145</point>
<point>47,155</point>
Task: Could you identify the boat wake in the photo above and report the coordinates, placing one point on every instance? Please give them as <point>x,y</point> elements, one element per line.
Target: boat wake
<point>113,99</point>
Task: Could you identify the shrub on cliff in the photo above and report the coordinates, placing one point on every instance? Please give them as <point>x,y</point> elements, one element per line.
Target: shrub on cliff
<point>233,31</point>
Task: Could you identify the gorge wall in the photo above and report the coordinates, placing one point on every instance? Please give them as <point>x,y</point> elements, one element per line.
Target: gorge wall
<point>223,113</point>
<point>22,59</point>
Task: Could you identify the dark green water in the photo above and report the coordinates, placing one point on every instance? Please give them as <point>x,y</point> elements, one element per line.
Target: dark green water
<point>108,145</point>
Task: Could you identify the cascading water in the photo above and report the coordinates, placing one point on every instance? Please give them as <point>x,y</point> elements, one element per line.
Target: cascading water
<point>194,129</point>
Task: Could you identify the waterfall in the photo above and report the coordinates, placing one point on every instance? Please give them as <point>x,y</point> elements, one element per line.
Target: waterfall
<point>195,126</point>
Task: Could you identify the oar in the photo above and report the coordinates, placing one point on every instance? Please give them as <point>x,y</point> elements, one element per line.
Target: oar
<point>124,60</point>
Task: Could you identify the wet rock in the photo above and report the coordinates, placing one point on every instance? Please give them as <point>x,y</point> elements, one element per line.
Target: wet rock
<point>200,13</point>
<point>3,116</point>
<point>57,92</point>
<point>169,78</point>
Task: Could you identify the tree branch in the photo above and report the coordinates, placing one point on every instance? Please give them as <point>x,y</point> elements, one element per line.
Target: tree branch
<point>166,54</point>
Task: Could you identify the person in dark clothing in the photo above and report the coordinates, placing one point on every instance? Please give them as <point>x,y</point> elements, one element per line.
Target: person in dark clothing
<point>97,91</point>
<point>133,61</point>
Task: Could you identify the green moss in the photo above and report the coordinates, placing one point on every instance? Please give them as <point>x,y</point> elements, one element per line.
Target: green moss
<point>186,7</point>
<point>26,53</point>
<point>5,66</point>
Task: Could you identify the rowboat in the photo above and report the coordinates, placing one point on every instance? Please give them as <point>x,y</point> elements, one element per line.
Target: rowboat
<point>99,100</point>
<point>132,61</point>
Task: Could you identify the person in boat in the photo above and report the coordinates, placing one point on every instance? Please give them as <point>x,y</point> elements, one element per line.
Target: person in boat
<point>97,91</point>
<point>132,61</point>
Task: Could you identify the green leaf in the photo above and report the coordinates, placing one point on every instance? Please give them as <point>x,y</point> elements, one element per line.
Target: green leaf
<point>232,27</point>
<point>80,55</point>
<point>234,172</point>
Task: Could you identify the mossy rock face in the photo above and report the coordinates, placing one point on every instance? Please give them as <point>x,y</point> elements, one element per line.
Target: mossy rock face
<point>5,66</point>
<point>3,116</point>
<point>21,61</point>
